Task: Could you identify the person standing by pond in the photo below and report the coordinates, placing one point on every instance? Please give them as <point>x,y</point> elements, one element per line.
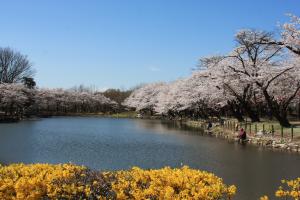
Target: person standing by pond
<point>209,125</point>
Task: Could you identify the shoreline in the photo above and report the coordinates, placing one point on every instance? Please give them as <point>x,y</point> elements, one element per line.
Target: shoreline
<point>266,142</point>
<point>14,119</point>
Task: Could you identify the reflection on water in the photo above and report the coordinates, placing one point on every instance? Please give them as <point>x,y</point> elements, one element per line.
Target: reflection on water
<point>105,143</point>
<point>167,127</point>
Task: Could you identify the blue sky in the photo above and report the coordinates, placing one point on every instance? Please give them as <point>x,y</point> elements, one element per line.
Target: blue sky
<point>121,43</point>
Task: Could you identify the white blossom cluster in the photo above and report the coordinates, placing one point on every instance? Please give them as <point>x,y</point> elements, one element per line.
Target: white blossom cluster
<point>180,95</point>
<point>291,33</point>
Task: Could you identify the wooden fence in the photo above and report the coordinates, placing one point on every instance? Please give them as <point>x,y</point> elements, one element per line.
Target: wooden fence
<point>264,129</point>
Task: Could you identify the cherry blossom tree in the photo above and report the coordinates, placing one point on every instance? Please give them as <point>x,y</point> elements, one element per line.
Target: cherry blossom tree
<point>144,99</point>
<point>233,93</point>
<point>262,65</point>
<point>198,95</point>
<point>193,97</point>
<point>15,99</point>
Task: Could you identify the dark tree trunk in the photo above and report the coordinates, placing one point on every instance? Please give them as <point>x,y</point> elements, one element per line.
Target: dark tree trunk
<point>243,101</point>
<point>248,107</point>
<point>239,116</point>
<point>236,111</point>
<point>254,117</point>
<point>278,111</point>
<point>299,110</point>
<point>252,113</point>
<point>284,121</point>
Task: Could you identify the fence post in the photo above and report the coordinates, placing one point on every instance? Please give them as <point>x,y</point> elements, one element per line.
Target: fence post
<point>281,132</point>
<point>263,128</point>
<point>250,129</point>
<point>273,130</point>
<point>255,128</point>
<point>292,129</point>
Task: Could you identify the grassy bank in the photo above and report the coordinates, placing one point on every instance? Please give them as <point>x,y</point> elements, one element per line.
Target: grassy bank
<point>129,114</point>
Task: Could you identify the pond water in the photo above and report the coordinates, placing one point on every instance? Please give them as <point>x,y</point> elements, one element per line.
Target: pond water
<point>111,144</point>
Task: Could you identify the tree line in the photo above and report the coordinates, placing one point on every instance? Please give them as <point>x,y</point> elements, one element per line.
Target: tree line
<point>17,100</point>
<point>20,97</point>
<point>260,77</point>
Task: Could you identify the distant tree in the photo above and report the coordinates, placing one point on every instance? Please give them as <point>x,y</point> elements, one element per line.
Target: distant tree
<point>29,82</point>
<point>60,101</point>
<point>83,88</point>
<point>14,66</point>
<point>117,95</point>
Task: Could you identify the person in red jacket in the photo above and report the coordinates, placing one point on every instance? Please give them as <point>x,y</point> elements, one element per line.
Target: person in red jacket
<point>242,135</point>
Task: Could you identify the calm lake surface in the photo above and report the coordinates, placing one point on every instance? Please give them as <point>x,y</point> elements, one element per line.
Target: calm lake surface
<point>111,144</point>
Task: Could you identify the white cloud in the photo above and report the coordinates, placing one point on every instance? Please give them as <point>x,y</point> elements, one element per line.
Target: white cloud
<point>102,89</point>
<point>154,69</point>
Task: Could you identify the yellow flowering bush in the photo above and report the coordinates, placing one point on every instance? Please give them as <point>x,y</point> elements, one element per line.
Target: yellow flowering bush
<point>19,181</point>
<point>167,183</point>
<point>68,181</point>
<point>290,190</point>
<point>45,181</point>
